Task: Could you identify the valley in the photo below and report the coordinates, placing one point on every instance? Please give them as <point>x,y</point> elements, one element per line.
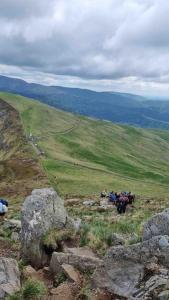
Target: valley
<point>84,156</point>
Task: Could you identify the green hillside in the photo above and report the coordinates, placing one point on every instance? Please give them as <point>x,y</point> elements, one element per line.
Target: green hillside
<point>83,156</point>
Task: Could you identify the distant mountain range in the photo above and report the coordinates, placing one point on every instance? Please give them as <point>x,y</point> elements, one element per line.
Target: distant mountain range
<point>111,106</point>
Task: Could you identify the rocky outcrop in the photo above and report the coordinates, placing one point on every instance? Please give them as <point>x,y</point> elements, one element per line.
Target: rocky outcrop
<point>124,266</point>
<point>42,211</point>
<point>72,274</point>
<point>157,225</point>
<point>129,272</point>
<point>9,277</point>
<point>150,288</point>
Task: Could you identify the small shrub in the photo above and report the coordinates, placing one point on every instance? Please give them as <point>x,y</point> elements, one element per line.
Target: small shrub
<point>16,296</point>
<point>109,239</point>
<point>21,265</point>
<point>33,290</point>
<point>84,293</point>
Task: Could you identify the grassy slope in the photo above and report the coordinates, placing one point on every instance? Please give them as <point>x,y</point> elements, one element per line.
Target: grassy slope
<point>95,154</point>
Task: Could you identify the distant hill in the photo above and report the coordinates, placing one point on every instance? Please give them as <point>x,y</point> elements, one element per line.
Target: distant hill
<point>112,106</point>
<point>83,156</point>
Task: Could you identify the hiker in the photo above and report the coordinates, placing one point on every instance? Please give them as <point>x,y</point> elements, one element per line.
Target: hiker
<point>131,198</point>
<point>104,194</point>
<point>3,209</point>
<point>122,204</point>
<point>112,197</point>
<point>117,196</point>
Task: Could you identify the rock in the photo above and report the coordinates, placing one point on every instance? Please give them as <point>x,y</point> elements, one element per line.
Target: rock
<point>46,270</point>
<point>29,272</point>
<point>88,203</point>
<point>104,202</point>
<point>123,266</point>
<point>15,236</point>
<point>119,278</point>
<point>9,277</point>
<point>164,295</point>
<point>163,242</point>
<point>152,268</point>
<point>150,289</point>
<point>117,239</point>
<point>80,251</point>
<point>42,211</point>
<point>163,271</point>
<point>72,273</point>
<point>40,275</point>
<point>157,225</point>
<point>155,282</point>
<point>80,262</point>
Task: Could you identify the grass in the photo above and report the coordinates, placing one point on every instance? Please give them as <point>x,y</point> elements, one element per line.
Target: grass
<point>54,238</point>
<point>31,290</point>
<point>98,227</point>
<point>112,156</point>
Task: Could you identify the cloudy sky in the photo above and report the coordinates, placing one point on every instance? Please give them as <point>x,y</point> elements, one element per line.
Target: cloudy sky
<point>120,45</point>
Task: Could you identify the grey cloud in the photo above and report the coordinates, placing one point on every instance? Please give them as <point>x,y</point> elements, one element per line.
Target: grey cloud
<point>91,39</point>
<point>19,9</point>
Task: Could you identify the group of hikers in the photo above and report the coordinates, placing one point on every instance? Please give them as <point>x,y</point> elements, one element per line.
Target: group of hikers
<point>3,207</point>
<point>120,200</point>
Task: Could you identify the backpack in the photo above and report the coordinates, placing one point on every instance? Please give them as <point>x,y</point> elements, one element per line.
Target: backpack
<point>4,202</point>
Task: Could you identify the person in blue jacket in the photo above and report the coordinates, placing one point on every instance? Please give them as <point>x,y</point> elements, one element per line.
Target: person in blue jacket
<point>112,197</point>
<point>3,208</point>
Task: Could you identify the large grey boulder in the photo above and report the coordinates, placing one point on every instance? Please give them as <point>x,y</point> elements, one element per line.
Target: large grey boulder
<point>9,277</point>
<point>157,225</point>
<point>123,267</point>
<point>42,211</point>
<point>79,261</point>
